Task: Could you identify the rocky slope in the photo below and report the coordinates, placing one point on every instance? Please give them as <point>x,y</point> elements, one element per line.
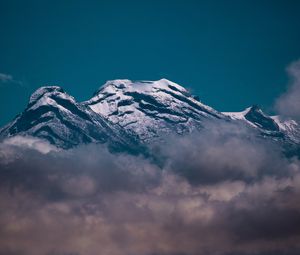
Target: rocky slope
<point>128,114</point>
<point>273,126</point>
<point>54,115</point>
<point>150,108</point>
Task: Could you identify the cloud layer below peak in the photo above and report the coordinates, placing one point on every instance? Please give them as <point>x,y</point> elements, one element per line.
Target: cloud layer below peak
<point>214,192</point>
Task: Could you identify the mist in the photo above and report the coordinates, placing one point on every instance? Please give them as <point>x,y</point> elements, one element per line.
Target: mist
<point>223,190</point>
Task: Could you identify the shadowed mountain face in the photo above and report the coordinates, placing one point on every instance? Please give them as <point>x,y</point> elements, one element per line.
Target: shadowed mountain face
<point>55,116</point>
<point>257,117</point>
<point>123,114</point>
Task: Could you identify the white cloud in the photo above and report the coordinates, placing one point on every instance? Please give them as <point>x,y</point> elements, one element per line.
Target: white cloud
<point>6,77</point>
<point>28,142</point>
<point>9,79</point>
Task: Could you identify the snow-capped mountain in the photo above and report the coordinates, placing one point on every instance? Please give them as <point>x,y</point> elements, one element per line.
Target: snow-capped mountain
<point>150,108</point>
<point>54,115</point>
<point>256,117</point>
<point>273,126</point>
<point>130,114</point>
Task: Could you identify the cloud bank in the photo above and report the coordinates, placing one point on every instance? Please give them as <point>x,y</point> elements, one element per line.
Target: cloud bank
<point>289,103</point>
<point>222,191</point>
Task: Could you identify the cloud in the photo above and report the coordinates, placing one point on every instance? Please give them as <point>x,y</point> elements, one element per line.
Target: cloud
<point>227,151</point>
<point>60,174</point>
<point>288,104</point>
<point>40,145</point>
<point>9,79</point>
<point>6,77</point>
<point>214,193</point>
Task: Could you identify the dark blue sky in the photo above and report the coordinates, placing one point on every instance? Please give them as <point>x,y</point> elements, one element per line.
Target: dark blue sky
<point>230,53</point>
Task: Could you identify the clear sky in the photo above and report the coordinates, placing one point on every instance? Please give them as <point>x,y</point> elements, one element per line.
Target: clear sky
<point>230,53</point>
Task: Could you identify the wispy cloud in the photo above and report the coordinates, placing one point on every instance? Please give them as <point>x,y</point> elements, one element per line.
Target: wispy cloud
<point>6,79</point>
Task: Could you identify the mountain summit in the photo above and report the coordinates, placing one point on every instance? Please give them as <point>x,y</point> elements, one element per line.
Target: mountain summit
<point>150,108</point>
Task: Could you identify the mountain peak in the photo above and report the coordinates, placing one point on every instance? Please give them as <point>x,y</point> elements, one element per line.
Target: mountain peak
<point>118,83</point>
<point>255,117</point>
<point>148,108</point>
<point>55,116</point>
<point>45,92</point>
<point>255,109</point>
<point>112,86</point>
<point>49,95</point>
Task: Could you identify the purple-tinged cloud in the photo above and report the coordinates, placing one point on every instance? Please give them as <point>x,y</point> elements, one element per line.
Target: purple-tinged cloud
<point>213,194</point>
<point>288,104</point>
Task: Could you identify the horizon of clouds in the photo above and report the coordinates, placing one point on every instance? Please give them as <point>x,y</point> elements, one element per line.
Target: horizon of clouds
<point>216,193</point>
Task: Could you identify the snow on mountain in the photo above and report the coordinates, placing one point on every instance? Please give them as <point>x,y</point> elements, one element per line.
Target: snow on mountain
<point>55,116</point>
<point>150,108</point>
<point>273,126</point>
<point>129,114</point>
<point>255,117</point>
<point>289,127</point>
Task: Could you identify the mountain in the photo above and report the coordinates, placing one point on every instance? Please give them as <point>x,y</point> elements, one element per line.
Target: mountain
<point>54,115</point>
<point>150,109</point>
<point>130,114</point>
<point>273,126</point>
<point>285,132</point>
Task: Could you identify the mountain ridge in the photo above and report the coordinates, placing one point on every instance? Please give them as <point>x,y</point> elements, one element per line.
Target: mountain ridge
<point>55,116</point>
<point>126,114</point>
